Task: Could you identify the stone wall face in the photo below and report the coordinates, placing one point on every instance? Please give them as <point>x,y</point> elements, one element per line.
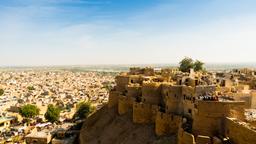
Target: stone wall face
<point>121,82</point>
<point>142,113</point>
<point>238,133</point>
<point>173,99</point>
<point>167,124</point>
<point>208,120</point>
<point>151,93</point>
<point>123,105</point>
<point>188,91</point>
<point>253,99</point>
<point>188,98</point>
<point>133,90</point>
<point>113,98</point>
<point>246,97</point>
<point>207,126</point>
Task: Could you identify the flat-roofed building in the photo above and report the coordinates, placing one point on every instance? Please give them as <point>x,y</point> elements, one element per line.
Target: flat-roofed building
<point>5,122</point>
<point>38,138</point>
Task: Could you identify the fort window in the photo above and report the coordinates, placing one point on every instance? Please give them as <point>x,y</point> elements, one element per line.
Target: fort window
<point>184,97</point>
<point>196,82</point>
<point>131,81</point>
<point>190,111</point>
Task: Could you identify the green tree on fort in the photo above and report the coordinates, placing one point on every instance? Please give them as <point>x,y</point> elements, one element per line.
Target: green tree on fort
<point>198,65</point>
<point>83,110</point>
<point>53,113</point>
<point>31,88</point>
<point>1,92</point>
<point>107,85</point>
<point>186,64</point>
<point>29,111</point>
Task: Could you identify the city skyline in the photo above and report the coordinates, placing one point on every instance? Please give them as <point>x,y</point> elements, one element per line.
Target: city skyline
<point>86,32</point>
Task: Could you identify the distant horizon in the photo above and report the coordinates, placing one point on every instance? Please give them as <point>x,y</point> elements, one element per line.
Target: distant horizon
<point>253,64</point>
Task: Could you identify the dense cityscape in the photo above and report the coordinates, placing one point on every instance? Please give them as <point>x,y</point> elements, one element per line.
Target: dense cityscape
<point>40,88</point>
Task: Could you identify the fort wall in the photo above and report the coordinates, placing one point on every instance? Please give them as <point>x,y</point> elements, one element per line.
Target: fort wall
<point>238,133</point>
<point>246,97</point>
<point>151,93</point>
<point>123,105</point>
<point>208,120</point>
<point>253,99</point>
<point>154,101</point>
<point>113,98</point>
<point>142,113</point>
<point>173,99</point>
<point>121,82</point>
<point>188,99</point>
<point>133,90</point>
<point>167,123</point>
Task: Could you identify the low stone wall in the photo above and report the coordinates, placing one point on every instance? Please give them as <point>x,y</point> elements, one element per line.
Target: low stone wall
<point>185,137</point>
<point>238,133</point>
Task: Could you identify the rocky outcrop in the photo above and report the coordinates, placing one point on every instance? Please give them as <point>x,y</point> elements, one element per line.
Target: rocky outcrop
<point>107,127</point>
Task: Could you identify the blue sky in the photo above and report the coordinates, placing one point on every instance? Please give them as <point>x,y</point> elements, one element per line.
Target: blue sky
<point>81,32</point>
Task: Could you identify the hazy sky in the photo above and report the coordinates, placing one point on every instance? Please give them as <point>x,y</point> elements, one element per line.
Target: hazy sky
<point>80,32</point>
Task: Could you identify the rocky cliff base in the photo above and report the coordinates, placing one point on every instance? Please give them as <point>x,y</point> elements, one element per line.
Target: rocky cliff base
<point>107,127</point>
